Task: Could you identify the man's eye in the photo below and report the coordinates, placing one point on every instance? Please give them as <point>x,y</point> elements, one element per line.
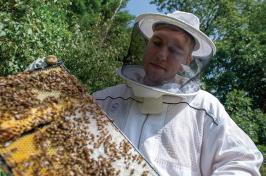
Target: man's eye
<point>174,50</point>
<point>157,43</point>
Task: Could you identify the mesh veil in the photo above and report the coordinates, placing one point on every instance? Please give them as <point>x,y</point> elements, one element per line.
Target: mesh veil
<point>134,58</point>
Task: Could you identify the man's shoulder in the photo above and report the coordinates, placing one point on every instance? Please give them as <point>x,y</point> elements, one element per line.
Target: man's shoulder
<point>120,90</point>
<point>207,102</point>
<point>206,97</point>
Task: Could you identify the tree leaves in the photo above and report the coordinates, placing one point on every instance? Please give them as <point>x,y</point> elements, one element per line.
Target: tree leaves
<point>239,106</point>
<point>87,35</point>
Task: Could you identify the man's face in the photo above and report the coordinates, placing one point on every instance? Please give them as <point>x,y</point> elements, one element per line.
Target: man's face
<point>166,51</point>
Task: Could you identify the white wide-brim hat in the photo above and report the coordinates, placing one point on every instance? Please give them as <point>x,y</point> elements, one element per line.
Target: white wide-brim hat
<point>204,47</point>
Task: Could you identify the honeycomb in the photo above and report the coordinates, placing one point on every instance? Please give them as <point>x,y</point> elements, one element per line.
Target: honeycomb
<point>49,125</point>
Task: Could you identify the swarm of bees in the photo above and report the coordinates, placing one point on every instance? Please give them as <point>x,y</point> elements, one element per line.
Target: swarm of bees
<point>49,125</point>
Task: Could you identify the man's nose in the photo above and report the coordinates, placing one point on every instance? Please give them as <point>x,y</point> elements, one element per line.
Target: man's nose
<point>163,53</point>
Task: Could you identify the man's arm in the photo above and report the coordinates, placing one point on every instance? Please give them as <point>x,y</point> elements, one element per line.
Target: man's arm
<point>227,150</point>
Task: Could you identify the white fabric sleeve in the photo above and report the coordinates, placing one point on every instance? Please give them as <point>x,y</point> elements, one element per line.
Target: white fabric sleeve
<point>227,150</point>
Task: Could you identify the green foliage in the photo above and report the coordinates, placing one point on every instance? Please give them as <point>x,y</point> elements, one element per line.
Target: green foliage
<point>262,148</point>
<point>34,30</point>
<point>239,106</point>
<point>240,60</point>
<point>100,44</point>
<point>91,37</point>
<point>95,61</point>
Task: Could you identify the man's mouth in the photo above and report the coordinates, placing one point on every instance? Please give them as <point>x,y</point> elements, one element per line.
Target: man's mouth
<point>157,66</point>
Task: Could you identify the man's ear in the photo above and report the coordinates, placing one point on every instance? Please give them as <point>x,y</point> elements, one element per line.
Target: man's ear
<point>189,59</point>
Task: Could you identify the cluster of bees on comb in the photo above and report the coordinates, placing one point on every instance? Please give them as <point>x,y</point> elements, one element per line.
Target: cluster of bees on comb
<point>49,125</point>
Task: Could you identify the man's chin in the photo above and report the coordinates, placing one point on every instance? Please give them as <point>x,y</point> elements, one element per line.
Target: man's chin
<point>152,82</point>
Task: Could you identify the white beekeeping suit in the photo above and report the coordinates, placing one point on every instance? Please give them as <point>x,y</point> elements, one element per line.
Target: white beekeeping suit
<point>179,128</point>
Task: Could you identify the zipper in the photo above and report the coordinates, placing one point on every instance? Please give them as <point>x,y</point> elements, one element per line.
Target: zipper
<point>140,136</point>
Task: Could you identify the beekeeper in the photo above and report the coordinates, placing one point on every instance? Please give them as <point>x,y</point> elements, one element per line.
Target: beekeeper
<point>179,129</point>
